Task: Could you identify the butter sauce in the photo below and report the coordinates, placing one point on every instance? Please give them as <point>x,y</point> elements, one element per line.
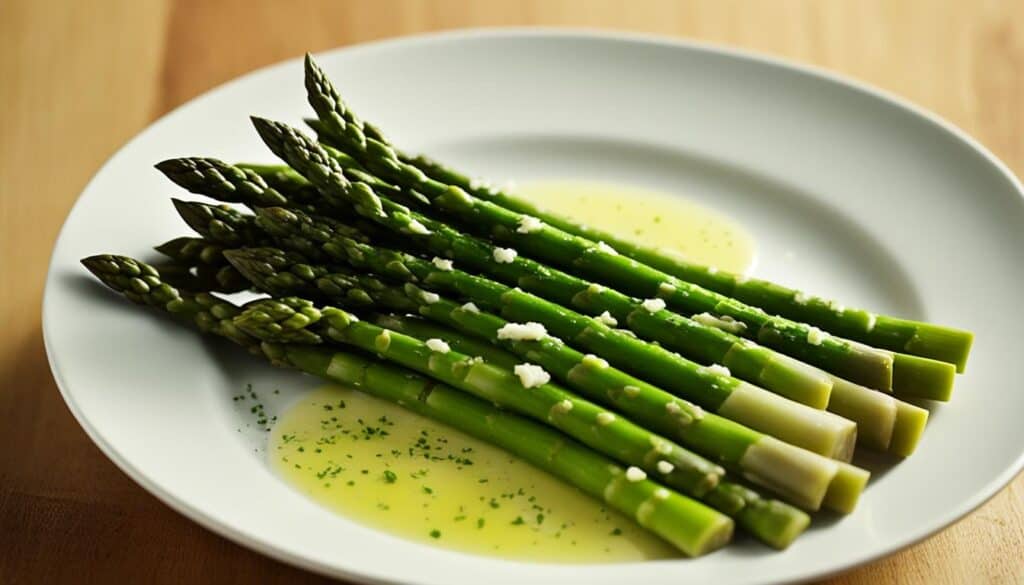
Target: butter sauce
<point>653,218</point>
<point>386,467</point>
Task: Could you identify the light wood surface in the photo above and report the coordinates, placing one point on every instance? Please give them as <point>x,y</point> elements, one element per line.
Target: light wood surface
<point>77,79</point>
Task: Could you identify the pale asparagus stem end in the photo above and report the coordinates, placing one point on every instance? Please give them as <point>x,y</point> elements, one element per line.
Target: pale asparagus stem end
<point>910,423</point>
<point>800,476</point>
<point>819,431</point>
<point>845,490</point>
<point>918,377</point>
<point>873,411</point>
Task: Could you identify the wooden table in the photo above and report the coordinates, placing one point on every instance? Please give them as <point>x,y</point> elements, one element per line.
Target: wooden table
<point>78,78</point>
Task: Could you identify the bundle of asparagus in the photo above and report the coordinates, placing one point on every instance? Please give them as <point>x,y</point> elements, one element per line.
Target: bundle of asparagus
<point>687,398</point>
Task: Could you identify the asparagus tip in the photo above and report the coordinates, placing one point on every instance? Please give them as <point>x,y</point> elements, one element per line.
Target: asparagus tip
<point>99,265</point>
<point>267,129</point>
<point>195,215</point>
<point>170,248</point>
<point>168,166</point>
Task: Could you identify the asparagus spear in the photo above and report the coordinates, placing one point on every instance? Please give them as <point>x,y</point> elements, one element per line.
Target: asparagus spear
<point>722,440</point>
<point>690,526</point>
<point>902,335</point>
<point>283,320</point>
<point>850,360</point>
<point>792,422</point>
<point>708,345</point>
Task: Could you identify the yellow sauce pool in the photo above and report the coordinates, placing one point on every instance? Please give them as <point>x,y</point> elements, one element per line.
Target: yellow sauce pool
<point>652,218</point>
<point>381,465</point>
<point>389,468</point>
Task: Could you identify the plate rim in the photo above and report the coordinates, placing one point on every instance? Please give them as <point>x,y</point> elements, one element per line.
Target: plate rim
<point>931,527</point>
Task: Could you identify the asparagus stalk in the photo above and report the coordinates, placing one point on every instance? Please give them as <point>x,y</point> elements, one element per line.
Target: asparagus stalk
<point>717,438</point>
<point>893,333</point>
<point>423,329</point>
<point>853,361</point>
<point>281,319</point>
<point>792,422</point>
<point>706,344</point>
<point>690,526</point>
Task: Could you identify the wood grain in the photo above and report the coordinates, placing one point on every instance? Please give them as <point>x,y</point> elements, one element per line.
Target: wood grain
<point>77,79</point>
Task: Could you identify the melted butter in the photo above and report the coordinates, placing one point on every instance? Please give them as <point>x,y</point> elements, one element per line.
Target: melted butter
<point>386,467</point>
<point>652,218</point>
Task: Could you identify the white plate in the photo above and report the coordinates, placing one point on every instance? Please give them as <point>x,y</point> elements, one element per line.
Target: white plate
<point>849,192</point>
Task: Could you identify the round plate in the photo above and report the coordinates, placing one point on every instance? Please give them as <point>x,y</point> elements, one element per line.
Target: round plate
<point>849,192</point>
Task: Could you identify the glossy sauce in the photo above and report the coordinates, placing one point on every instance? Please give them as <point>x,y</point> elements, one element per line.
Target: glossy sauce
<point>383,466</point>
<point>652,218</point>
